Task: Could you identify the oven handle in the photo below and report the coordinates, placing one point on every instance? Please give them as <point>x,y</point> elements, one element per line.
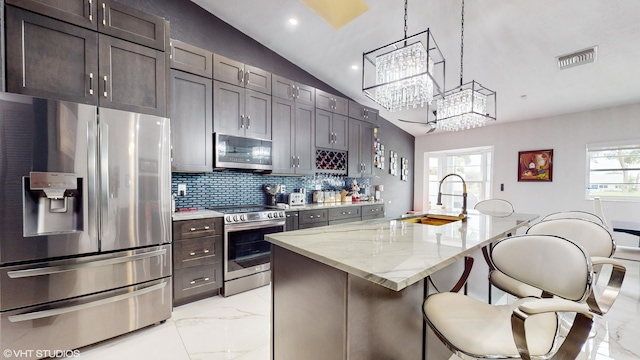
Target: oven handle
<point>53,312</point>
<point>253,225</point>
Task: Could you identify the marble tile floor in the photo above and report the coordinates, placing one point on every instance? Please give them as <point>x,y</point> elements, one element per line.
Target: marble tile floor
<point>237,328</point>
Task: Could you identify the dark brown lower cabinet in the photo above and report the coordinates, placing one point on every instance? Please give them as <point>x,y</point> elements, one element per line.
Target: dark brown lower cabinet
<point>197,259</point>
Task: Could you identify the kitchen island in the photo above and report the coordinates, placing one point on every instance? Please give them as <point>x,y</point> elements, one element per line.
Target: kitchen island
<point>354,291</point>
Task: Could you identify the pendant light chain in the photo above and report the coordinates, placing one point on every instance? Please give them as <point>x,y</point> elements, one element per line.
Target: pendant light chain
<point>405,18</point>
<point>461,42</point>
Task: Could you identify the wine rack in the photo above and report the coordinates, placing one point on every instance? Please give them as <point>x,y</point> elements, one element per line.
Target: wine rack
<point>331,162</point>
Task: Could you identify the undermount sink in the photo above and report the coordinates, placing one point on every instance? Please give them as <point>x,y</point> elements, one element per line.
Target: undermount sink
<point>435,220</point>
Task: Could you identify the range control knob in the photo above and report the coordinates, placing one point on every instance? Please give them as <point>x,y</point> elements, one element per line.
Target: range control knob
<point>229,219</point>
<point>243,217</point>
<point>235,217</point>
<point>270,215</point>
<point>282,214</point>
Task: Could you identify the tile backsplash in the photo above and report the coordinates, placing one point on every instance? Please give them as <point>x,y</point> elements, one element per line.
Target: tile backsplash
<point>231,187</point>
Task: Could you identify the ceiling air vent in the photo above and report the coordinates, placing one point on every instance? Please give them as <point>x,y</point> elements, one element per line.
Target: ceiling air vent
<point>578,58</point>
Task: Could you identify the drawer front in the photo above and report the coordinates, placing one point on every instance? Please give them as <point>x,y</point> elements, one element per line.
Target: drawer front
<point>26,285</point>
<point>198,251</point>
<point>196,280</point>
<point>189,229</point>
<point>312,216</point>
<point>74,323</point>
<point>373,211</point>
<point>344,213</point>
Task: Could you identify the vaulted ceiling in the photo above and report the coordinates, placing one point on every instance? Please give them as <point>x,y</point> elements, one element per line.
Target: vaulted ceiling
<point>509,46</point>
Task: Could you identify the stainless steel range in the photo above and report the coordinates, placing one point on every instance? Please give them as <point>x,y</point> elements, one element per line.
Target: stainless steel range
<point>247,254</point>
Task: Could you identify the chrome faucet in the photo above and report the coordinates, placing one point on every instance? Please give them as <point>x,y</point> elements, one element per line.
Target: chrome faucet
<point>464,193</point>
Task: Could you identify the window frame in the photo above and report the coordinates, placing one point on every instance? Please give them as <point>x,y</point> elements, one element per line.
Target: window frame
<point>590,150</point>
<point>444,162</point>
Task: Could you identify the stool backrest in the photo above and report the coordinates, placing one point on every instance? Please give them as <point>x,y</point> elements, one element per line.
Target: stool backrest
<point>575,214</point>
<point>554,264</point>
<point>497,207</point>
<point>595,238</point>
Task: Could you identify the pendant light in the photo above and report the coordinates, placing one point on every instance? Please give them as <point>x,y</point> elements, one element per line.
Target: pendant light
<point>406,73</point>
<point>467,106</point>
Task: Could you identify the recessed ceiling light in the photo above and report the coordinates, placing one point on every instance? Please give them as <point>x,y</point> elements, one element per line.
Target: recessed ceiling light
<point>293,21</point>
<point>354,67</point>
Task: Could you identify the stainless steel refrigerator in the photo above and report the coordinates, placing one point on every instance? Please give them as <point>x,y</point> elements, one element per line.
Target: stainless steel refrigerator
<point>85,223</point>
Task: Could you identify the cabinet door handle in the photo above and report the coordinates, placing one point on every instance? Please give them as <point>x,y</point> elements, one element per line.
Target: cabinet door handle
<point>293,161</point>
<point>104,14</point>
<point>242,121</point>
<point>193,253</point>
<point>297,91</point>
<point>241,76</point>
<point>90,83</point>
<point>90,11</point>
<point>199,280</point>
<point>105,86</point>
<point>248,121</point>
<point>246,78</point>
<point>202,228</point>
<point>298,159</point>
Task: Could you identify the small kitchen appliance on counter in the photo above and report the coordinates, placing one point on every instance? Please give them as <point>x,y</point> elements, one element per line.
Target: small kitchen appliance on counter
<point>298,198</point>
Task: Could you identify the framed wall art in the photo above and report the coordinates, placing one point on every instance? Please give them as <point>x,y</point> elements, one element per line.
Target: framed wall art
<point>393,163</point>
<point>404,166</point>
<point>535,165</point>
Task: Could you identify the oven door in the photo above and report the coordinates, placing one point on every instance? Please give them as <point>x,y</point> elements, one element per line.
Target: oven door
<point>246,251</point>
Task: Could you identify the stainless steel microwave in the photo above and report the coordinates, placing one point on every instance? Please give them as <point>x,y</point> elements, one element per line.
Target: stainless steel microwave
<point>234,152</point>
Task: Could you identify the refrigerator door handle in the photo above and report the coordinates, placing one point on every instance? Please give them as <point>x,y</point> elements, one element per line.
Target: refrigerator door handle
<point>105,217</point>
<point>53,312</point>
<point>74,267</point>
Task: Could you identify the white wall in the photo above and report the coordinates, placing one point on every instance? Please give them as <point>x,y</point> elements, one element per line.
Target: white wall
<point>567,135</point>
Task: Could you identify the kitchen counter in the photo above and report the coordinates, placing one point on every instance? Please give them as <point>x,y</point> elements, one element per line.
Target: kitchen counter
<point>203,213</point>
<point>315,206</point>
<point>393,253</point>
<point>354,291</point>
<point>195,214</point>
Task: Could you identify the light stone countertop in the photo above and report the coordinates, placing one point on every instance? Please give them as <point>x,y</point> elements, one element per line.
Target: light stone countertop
<point>195,214</point>
<point>394,253</point>
<point>203,213</point>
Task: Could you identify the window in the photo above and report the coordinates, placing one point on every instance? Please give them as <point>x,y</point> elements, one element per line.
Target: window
<point>613,170</point>
<point>474,165</point>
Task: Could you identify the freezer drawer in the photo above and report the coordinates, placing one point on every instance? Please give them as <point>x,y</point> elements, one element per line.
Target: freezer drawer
<point>70,324</point>
<point>38,283</point>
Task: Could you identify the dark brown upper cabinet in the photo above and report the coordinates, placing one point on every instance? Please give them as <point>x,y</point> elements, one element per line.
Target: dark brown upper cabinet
<point>192,59</point>
<point>105,16</point>
<point>132,77</point>
<point>241,112</point>
<point>236,73</point>
<point>191,122</point>
<point>50,58</point>
<point>284,88</point>
<point>57,60</point>
<point>361,112</point>
<point>333,103</point>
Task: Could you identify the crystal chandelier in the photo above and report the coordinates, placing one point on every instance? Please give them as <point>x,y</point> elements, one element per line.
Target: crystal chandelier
<point>403,71</point>
<point>468,105</point>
